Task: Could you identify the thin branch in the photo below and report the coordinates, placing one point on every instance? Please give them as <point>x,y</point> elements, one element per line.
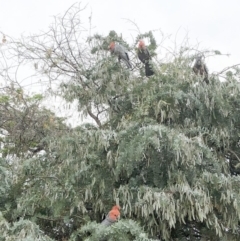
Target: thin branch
<point>234,154</point>
<point>94,117</point>
<point>227,68</point>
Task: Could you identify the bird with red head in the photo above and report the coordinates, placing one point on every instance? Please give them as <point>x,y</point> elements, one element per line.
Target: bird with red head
<point>120,52</point>
<point>141,44</point>
<point>113,216</point>
<point>145,57</point>
<point>111,46</point>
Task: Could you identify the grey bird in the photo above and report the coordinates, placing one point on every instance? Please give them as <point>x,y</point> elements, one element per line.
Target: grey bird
<point>112,216</point>
<point>120,52</point>
<point>200,68</point>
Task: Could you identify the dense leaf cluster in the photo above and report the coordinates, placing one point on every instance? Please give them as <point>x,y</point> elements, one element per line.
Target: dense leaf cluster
<point>165,147</point>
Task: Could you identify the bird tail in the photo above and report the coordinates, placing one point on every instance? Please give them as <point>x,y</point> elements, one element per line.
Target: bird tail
<point>148,69</point>
<point>127,62</point>
<point>206,79</point>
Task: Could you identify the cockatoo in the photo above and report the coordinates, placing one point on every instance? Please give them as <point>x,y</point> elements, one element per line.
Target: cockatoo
<point>201,68</point>
<point>113,216</point>
<point>144,56</point>
<point>121,52</point>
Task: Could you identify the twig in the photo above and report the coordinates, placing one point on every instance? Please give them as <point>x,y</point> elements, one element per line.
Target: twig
<point>227,68</point>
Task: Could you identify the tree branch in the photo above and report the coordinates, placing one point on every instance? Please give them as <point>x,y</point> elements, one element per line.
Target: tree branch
<point>94,117</point>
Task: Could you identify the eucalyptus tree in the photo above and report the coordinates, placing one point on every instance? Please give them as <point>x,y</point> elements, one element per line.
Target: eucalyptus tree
<point>164,148</point>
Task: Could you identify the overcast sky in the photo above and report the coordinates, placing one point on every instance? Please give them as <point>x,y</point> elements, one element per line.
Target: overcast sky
<point>213,24</point>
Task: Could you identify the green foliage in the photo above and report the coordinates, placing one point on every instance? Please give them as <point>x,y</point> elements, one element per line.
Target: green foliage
<point>4,99</point>
<point>123,230</point>
<point>24,123</point>
<point>22,230</point>
<point>165,147</point>
<point>217,52</point>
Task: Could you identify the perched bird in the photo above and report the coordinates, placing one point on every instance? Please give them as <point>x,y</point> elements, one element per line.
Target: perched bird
<point>4,40</point>
<point>121,52</point>
<point>201,68</point>
<point>112,216</point>
<point>144,56</point>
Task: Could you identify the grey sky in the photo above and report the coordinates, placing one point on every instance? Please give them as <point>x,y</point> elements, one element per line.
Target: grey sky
<point>212,23</point>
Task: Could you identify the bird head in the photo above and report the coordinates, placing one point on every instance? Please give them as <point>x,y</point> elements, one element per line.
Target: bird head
<point>111,46</point>
<point>116,207</point>
<point>141,44</point>
<point>199,60</point>
<point>114,214</point>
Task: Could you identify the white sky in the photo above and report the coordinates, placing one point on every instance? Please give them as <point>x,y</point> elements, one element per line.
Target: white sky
<point>212,23</point>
